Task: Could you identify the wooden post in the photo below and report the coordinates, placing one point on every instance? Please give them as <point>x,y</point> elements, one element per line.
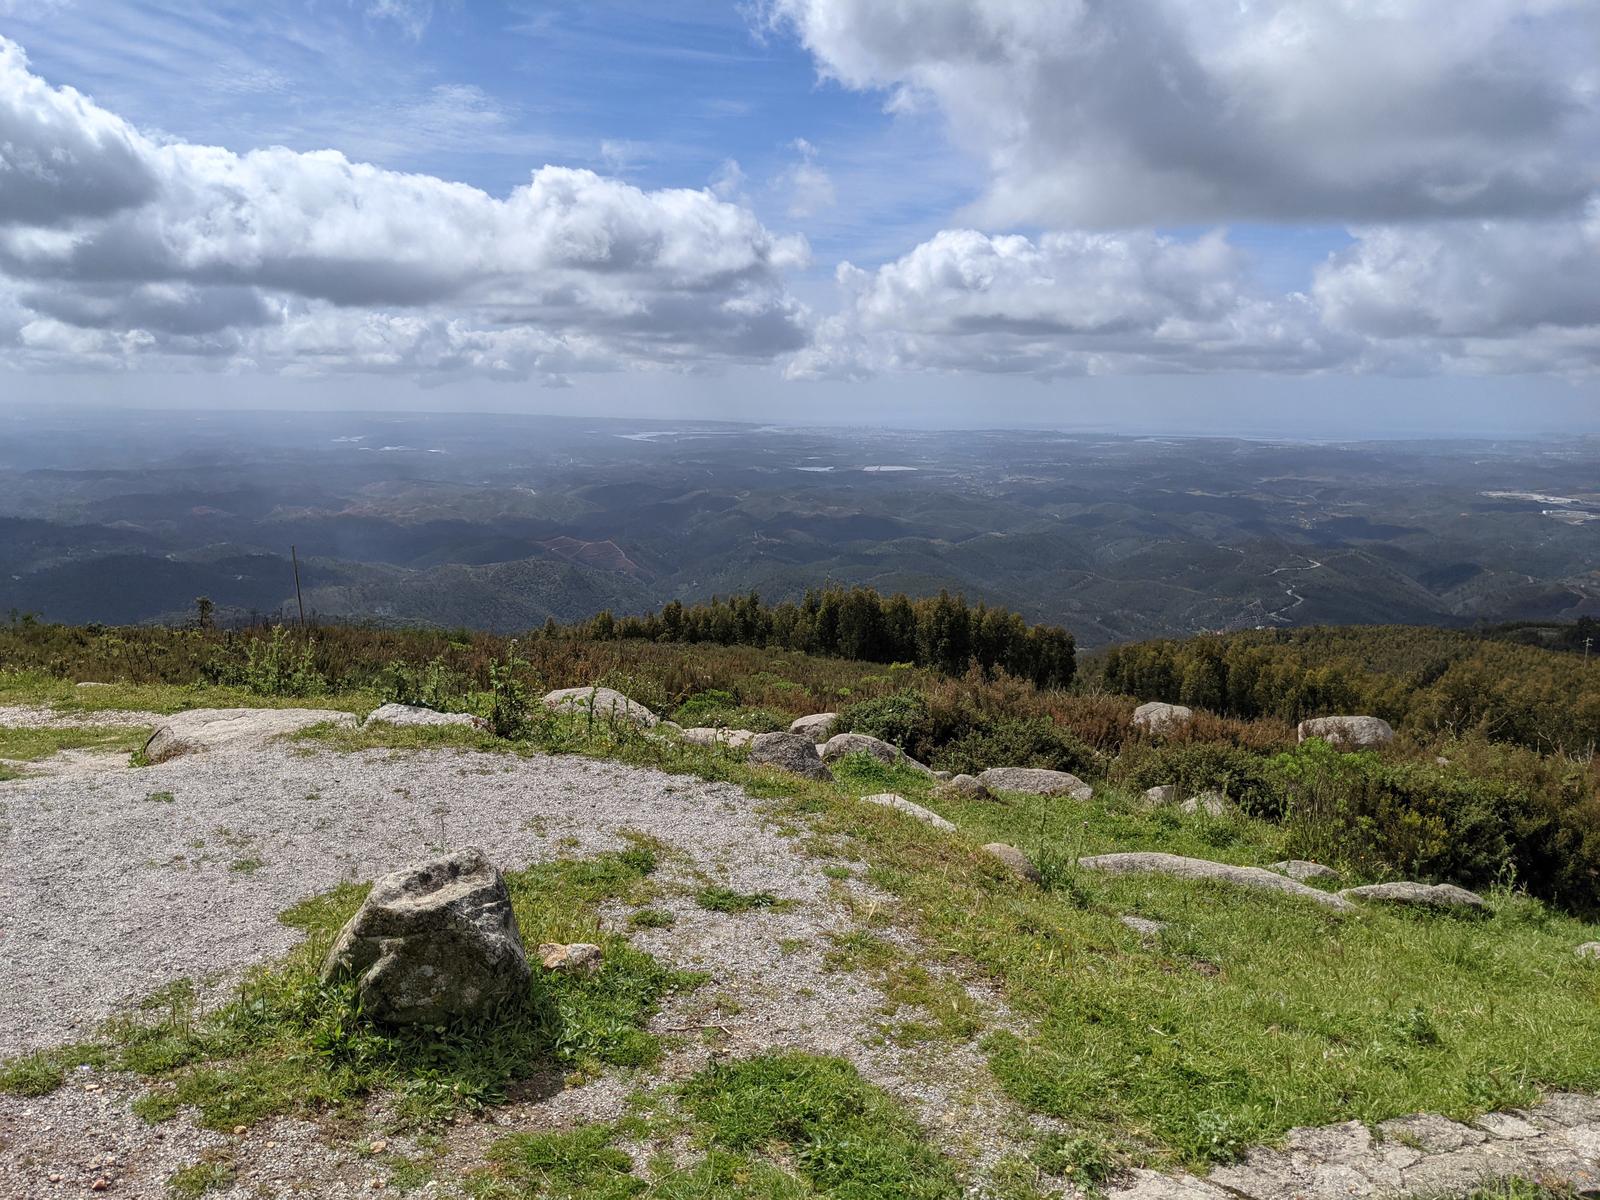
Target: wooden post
<point>294,557</point>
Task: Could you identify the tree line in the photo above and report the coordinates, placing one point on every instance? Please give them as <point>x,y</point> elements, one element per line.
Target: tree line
<point>1435,680</point>
<point>942,632</point>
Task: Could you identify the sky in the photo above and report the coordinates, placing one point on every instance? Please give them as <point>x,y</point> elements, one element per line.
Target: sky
<point>1319,216</point>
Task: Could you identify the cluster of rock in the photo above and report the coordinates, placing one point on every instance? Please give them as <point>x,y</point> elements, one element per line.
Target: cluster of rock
<point>1290,877</point>
<point>1556,1142</point>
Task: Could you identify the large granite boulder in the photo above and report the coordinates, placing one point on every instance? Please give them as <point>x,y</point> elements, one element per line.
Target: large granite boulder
<point>1035,781</point>
<point>789,752</point>
<point>1423,895</point>
<point>818,727</point>
<point>607,704</point>
<point>410,714</point>
<point>1199,868</point>
<point>1348,733</point>
<point>433,943</point>
<point>1160,719</point>
<point>204,729</point>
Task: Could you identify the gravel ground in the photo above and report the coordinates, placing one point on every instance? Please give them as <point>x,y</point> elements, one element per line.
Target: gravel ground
<point>28,716</point>
<point>108,894</point>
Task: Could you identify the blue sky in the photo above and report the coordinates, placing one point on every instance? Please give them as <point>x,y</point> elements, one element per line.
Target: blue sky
<point>1045,209</point>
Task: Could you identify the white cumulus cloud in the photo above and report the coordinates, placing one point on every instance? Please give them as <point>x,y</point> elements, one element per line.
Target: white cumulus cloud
<point>1133,112</point>
<point>112,242</point>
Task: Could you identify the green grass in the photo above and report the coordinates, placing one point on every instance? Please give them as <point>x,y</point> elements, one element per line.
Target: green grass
<point>195,1180</point>
<point>291,1044</point>
<point>1250,1015</point>
<point>774,1127</point>
<point>726,900</point>
<point>32,745</point>
<point>38,688</point>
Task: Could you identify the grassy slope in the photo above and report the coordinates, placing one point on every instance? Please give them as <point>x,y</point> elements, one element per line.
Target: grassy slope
<point>1247,1016</point>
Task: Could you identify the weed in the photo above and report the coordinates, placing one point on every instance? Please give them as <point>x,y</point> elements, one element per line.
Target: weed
<point>210,1174</point>
<point>652,918</point>
<point>726,900</point>
<point>845,1137</point>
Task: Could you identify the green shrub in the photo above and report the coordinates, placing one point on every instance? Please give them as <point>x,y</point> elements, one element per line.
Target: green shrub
<point>433,685</point>
<point>1208,766</point>
<point>1410,819</point>
<point>902,718</point>
<point>274,666</point>
<point>1028,743</point>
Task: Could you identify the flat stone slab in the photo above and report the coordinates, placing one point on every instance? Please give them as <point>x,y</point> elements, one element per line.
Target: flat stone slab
<point>1200,868</point>
<point>411,714</point>
<point>1304,870</point>
<point>1423,1155</point>
<point>910,808</point>
<point>1423,895</point>
<point>1035,781</point>
<point>207,729</point>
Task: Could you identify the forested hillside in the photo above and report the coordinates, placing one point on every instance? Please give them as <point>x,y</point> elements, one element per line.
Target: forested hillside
<point>1433,680</point>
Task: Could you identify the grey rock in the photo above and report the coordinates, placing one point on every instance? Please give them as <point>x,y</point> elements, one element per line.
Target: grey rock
<point>818,727</point>
<point>1200,868</point>
<point>1161,795</point>
<point>1210,803</point>
<point>1507,1126</point>
<point>1304,870</point>
<point>963,787</point>
<point>1588,950</point>
<point>1144,1184</point>
<point>90,683</point>
<point>911,809</point>
<point>841,744</point>
<point>1566,1109</point>
<point>1035,782</point>
<point>433,942</point>
<point>789,752</point>
<point>1348,733</point>
<point>571,958</point>
<point>607,704</point>
<point>1018,863</point>
<point>206,729</point>
<point>943,776</point>
<point>409,714</point>
<point>1427,895</point>
<point>1431,1133</point>
<point>734,739</point>
<point>1143,925</point>
<point>1160,719</point>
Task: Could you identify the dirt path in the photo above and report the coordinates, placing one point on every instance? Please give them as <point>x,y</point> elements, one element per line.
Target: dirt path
<point>116,885</point>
